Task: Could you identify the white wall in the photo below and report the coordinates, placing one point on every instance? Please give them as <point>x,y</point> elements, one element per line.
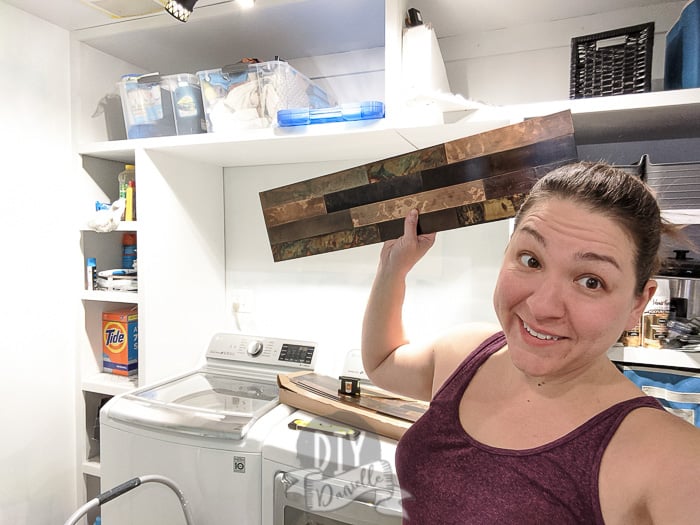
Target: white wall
<point>39,246</point>
<point>94,75</point>
<point>530,63</point>
<point>322,298</point>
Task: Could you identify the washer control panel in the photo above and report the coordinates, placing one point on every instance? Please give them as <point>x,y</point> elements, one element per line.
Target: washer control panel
<point>288,353</point>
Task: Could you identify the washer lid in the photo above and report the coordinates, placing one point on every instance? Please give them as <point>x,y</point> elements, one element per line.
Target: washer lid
<point>201,404</point>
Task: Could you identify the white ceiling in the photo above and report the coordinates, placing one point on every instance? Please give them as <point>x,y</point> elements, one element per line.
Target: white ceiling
<point>459,17</point>
<point>449,17</point>
<point>74,14</point>
<point>220,33</point>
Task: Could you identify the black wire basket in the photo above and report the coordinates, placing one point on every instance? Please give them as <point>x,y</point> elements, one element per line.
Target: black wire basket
<point>613,62</point>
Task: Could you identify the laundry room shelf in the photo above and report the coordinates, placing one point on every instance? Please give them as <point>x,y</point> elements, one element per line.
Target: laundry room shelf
<point>624,118</point>
<point>682,216</point>
<point>123,226</point>
<point>110,297</point>
<point>336,140</point>
<point>128,226</point>
<point>109,384</point>
<point>91,467</point>
<point>655,357</point>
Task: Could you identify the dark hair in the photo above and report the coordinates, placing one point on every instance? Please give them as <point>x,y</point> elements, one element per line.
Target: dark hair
<point>620,195</point>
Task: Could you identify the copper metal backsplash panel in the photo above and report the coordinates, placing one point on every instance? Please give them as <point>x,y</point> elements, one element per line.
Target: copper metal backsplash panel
<point>472,180</point>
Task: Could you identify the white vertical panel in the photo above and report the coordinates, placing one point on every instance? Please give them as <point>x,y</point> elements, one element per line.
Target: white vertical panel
<point>41,282</point>
<point>180,261</point>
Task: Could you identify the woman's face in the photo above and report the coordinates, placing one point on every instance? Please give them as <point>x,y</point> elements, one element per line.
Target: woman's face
<point>565,292</point>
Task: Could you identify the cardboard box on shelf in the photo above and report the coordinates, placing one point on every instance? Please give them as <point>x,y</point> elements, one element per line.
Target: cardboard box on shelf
<point>120,342</point>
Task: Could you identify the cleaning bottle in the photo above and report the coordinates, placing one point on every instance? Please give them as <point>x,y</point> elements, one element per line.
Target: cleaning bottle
<point>126,176</point>
<point>129,251</point>
<point>130,210</point>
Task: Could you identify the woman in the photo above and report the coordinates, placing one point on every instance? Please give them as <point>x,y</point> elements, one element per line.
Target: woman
<point>529,421</point>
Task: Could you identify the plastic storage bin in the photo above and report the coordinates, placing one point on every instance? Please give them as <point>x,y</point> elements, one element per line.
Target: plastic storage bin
<point>156,106</point>
<point>676,185</point>
<point>111,107</point>
<point>612,63</point>
<point>188,108</point>
<point>248,96</point>
<point>682,66</point>
<point>677,390</point>
<point>367,110</point>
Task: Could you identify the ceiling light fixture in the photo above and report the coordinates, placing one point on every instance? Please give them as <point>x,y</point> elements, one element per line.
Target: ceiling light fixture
<point>180,9</point>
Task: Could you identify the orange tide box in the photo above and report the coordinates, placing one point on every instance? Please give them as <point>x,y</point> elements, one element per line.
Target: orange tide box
<point>120,342</point>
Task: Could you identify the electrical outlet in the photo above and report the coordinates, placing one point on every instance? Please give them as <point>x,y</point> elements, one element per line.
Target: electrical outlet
<point>243,301</point>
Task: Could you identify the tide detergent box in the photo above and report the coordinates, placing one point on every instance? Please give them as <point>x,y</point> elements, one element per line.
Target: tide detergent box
<point>120,342</point>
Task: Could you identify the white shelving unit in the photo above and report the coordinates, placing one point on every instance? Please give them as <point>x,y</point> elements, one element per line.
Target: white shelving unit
<point>169,155</point>
<point>180,182</point>
<point>109,384</point>
<point>180,191</point>
<point>655,357</point>
<point>110,297</point>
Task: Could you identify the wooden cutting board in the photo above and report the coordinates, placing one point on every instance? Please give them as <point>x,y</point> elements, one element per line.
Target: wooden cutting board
<point>374,409</point>
<point>372,399</point>
<point>468,181</point>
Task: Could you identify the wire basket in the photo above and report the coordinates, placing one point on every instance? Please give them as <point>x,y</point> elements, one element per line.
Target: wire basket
<point>612,62</point>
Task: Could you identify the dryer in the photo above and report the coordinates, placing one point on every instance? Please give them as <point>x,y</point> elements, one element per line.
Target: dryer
<point>204,430</point>
<point>316,470</point>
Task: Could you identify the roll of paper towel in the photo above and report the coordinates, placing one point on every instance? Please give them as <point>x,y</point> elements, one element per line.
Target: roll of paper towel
<point>423,69</point>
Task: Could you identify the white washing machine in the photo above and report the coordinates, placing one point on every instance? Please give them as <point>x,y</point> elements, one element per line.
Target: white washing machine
<point>204,430</point>
<point>316,470</point>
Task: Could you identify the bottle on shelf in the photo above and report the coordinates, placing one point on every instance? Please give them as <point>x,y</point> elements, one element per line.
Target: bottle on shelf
<point>130,211</point>
<point>656,315</point>
<point>127,179</point>
<point>129,251</point>
<point>91,273</point>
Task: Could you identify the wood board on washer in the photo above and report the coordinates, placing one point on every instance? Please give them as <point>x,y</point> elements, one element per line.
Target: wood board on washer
<point>374,410</point>
<point>472,180</point>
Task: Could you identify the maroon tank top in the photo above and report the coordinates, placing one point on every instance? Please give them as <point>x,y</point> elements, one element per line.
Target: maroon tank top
<point>447,477</point>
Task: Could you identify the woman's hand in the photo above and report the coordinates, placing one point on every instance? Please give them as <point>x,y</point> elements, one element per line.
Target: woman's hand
<point>388,358</point>
<point>402,254</point>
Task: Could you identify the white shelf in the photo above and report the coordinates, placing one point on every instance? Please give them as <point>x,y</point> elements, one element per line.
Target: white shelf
<point>321,142</point>
<point>682,216</point>
<point>622,118</point>
<point>110,297</point>
<point>644,116</point>
<point>124,226</point>
<point>117,150</point>
<point>92,467</point>
<point>128,226</point>
<point>655,357</point>
<point>109,384</point>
